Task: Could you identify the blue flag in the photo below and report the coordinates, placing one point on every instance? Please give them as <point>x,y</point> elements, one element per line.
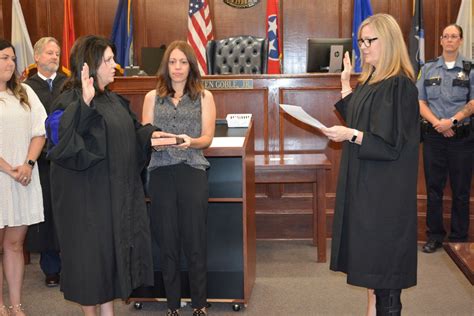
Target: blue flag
<point>362,10</point>
<point>122,33</point>
<point>417,38</point>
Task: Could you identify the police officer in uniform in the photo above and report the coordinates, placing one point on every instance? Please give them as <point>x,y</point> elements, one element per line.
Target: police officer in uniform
<point>446,98</point>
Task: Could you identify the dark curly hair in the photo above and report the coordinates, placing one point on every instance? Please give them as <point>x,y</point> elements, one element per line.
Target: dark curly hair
<point>87,49</point>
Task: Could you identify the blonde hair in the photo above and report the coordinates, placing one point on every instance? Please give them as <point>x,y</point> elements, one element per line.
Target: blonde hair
<point>42,42</point>
<point>394,59</point>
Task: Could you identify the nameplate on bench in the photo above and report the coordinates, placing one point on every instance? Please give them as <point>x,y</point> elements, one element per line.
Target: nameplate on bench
<point>228,84</point>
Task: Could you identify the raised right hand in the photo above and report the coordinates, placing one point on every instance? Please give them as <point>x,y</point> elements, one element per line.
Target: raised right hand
<point>88,90</point>
<point>346,72</point>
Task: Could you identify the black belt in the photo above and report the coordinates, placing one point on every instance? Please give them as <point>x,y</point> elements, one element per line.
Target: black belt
<point>462,130</point>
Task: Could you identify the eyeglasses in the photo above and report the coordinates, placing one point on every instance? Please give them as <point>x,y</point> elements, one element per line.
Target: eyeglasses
<point>446,37</point>
<point>367,41</point>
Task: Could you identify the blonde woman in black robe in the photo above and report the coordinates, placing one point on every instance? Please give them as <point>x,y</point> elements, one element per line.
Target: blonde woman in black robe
<point>375,221</point>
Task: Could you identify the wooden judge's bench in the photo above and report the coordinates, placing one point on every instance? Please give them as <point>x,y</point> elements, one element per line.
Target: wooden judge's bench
<point>285,209</point>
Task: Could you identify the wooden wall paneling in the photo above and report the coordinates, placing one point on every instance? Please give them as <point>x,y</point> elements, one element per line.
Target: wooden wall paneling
<point>165,21</point>
<point>306,19</point>
<point>297,136</point>
<point>432,47</point>
<point>6,18</point>
<point>287,226</point>
<point>85,17</point>
<point>105,14</point>
<point>273,115</point>
<point>441,13</point>
<point>230,21</point>
<point>36,18</point>
<point>2,31</point>
<point>253,101</point>
<point>345,23</point>
<point>285,199</point>
<point>140,9</point>
<point>56,20</point>
<point>42,20</point>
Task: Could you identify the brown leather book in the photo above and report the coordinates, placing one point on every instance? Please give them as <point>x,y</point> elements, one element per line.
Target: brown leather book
<point>166,141</point>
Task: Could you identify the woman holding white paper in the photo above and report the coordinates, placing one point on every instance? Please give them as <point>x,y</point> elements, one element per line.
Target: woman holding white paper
<point>374,233</point>
<point>178,181</point>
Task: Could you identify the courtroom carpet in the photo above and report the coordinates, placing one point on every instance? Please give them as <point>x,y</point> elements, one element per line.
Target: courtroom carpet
<point>291,282</point>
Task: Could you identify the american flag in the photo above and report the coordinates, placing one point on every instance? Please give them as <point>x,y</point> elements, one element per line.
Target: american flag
<point>199,30</point>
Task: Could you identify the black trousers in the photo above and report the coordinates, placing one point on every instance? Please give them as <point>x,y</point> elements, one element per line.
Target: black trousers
<point>387,302</point>
<point>442,157</point>
<point>179,195</point>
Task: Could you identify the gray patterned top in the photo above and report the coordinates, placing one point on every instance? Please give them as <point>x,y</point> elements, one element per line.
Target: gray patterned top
<point>185,118</point>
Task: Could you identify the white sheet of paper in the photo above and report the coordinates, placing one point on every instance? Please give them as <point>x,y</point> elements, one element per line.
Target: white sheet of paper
<point>298,113</point>
<point>227,142</point>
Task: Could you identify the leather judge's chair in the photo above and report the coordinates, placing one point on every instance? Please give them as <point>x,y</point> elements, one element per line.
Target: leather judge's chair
<point>237,55</point>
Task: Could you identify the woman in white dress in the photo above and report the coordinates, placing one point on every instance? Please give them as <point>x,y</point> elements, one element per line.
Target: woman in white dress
<point>22,133</point>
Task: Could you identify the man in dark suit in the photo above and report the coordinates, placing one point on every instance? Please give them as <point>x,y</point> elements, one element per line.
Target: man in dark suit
<point>47,84</point>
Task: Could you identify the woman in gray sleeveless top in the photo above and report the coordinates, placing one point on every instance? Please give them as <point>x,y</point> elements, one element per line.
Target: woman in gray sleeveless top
<point>178,181</point>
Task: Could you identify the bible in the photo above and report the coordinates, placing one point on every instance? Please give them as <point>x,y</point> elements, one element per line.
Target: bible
<point>166,141</point>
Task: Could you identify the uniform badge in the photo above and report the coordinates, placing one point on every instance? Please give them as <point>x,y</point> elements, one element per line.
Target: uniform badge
<point>461,75</point>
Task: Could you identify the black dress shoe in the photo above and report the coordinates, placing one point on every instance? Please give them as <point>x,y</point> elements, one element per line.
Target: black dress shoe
<point>52,280</point>
<point>431,246</point>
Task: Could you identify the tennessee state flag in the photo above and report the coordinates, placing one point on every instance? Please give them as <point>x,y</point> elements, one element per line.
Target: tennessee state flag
<point>274,48</point>
<point>68,36</point>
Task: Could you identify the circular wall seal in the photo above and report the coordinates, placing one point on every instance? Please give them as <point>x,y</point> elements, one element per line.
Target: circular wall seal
<point>241,4</point>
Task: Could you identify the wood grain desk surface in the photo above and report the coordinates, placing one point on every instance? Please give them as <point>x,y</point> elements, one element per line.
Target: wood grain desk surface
<point>463,255</point>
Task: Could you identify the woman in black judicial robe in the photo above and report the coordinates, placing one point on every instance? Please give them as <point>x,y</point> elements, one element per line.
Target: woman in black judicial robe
<point>97,149</point>
<point>375,221</point>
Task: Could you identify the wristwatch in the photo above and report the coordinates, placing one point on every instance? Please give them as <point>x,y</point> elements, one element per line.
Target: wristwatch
<point>354,136</point>
<point>31,163</point>
<point>454,120</point>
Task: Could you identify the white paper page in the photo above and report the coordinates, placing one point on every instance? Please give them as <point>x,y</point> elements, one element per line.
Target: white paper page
<point>298,113</point>
<point>227,142</point>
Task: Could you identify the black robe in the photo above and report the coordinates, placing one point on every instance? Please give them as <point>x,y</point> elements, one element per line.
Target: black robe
<point>98,199</point>
<point>42,236</point>
<point>375,220</point>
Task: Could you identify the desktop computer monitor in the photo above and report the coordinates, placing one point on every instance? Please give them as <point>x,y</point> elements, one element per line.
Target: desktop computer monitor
<point>326,54</point>
<point>151,59</point>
